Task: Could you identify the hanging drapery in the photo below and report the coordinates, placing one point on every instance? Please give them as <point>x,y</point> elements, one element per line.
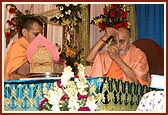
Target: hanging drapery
<point>132,19</point>
<point>150,18</point>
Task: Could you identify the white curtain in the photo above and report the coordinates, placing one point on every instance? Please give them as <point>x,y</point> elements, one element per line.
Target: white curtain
<point>95,34</point>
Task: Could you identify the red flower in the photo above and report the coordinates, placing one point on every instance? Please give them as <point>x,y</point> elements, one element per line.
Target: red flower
<point>105,10</point>
<point>117,26</point>
<point>18,29</point>
<point>12,10</point>
<point>44,104</point>
<point>80,97</point>
<point>76,76</point>
<point>59,83</point>
<point>64,97</point>
<point>10,23</point>
<point>101,26</point>
<point>113,16</point>
<point>84,109</point>
<point>27,12</point>
<point>113,13</point>
<point>114,6</point>
<point>124,14</point>
<point>124,24</point>
<point>7,35</point>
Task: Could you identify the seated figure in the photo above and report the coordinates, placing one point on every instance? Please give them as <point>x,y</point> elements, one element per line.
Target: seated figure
<point>122,60</point>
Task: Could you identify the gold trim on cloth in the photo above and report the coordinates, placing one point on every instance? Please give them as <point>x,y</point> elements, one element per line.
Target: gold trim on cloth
<point>112,94</point>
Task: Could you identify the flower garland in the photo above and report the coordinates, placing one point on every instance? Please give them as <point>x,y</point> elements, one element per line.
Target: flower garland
<point>114,15</point>
<point>68,15</point>
<point>69,93</point>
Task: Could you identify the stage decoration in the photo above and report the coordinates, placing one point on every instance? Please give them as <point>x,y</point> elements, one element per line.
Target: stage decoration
<point>69,16</point>
<point>117,95</point>
<point>71,57</point>
<point>69,93</point>
<point>13,25</point>
<point>114,15</point>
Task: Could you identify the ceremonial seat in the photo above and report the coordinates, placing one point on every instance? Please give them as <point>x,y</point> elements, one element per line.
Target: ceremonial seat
<point>154,53</point>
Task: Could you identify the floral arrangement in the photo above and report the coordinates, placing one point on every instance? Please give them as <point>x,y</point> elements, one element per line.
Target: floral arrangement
<point>114,15</point>
<point>71,57</point>
<point>69,93</point>
<point>68,15</point>
<point>14,23</point>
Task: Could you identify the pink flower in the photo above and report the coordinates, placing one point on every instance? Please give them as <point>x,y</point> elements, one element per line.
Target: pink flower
<point>73,13</point>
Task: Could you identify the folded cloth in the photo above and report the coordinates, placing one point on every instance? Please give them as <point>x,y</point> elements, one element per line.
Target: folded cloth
<point>152,101</point>
<point>41,40</point>
<point>158,78</point>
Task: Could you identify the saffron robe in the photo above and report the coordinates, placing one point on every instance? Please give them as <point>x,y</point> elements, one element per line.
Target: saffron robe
<point>135,58</point>
<point>16,56</point>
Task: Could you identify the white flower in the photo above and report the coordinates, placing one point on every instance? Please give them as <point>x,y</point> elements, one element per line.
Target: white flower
<point>71,88</point>
<point>55,108</point>
<point>61,8</point>
<point>91,103</point>
<point>73,104</point>
<point>58,15</point>
<point>75,4</point>
<point>68,12</point>
<point>67,5</point>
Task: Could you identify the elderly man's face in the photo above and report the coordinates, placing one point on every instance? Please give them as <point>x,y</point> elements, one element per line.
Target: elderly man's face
<point>122,42</point>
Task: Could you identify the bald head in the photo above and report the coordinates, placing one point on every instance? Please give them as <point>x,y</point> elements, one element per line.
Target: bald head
<point>124,31</point>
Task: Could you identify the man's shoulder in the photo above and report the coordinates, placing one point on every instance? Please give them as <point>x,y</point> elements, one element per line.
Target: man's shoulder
<point>137,51</point>
<point>19,43</point>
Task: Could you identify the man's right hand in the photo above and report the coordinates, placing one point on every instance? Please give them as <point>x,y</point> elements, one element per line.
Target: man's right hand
<point>110,32</point>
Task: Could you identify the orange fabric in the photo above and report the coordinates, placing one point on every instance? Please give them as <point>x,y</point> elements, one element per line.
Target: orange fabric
<point>115,70</point>
<point>16,56</point>
<point>135,58</point>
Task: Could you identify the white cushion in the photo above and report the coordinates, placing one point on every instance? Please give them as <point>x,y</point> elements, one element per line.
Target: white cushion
<point>158,81</point>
